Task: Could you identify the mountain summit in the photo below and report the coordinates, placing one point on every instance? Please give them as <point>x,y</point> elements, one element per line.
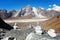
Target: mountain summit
<point>30,11</point>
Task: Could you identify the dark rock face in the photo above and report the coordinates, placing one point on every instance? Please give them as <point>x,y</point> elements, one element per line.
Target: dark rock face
<point>5,25</point>
<point>12,13</point>
<point>2,33</point>
<point>3,14</point>
<point>22,12</point>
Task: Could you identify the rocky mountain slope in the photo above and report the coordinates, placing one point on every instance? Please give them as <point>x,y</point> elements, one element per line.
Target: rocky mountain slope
<point>28,10</point>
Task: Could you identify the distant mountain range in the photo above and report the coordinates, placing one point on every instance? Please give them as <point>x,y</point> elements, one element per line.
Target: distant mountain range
<point>28,10</point>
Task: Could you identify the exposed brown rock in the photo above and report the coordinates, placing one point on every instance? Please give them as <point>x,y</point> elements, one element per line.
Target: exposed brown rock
<point>3,15</point>
<point>53,23</point>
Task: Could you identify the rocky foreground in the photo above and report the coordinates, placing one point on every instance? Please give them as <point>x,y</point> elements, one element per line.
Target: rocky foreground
<point>21,34</point>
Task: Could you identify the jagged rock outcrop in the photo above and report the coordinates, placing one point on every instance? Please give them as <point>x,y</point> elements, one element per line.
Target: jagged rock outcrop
<point>4,14</point>
<point>12,13</point>
<point>22,12</point>
<point>28,9</point>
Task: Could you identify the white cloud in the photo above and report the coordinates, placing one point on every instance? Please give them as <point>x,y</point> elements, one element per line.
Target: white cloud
<point>49,9</point>
<point>56,7</point>
<point>54,4</point>
<point>50,5</point>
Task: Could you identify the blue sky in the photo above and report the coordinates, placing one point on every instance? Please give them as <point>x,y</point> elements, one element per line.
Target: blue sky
<point>18,4</point>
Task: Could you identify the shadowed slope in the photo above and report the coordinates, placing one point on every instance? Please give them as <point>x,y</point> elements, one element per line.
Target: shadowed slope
<point>5,25</point>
